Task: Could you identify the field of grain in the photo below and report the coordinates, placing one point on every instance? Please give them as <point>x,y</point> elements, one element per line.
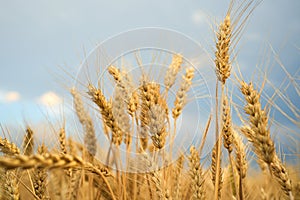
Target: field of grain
<point>134,140</point>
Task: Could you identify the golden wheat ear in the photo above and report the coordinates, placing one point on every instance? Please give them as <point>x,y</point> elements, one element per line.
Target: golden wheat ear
<point>8,147</point>
<point>40,177</point>
<point>11,187</point>
<point>172,72</point>
<point>181,94</point>
<point>263,145</point>
<point>196,174</point>
<point>106,112</point>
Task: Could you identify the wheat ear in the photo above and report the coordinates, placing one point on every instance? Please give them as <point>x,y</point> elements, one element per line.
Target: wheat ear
<point>181,95</point>
<point>119,108</point>
<point>227,129</point>
<point>263,145</point>
<point>149,95</point>
<point>241,161</point>
<point>8,147</point>
<point>156,177</point>
<point>157,128</point>
<point>62,140</point>
<point>40,177</point>
<point>227,133</point>
<point>11,188</point>
<point>85,119</point>
<point>172,71</point>
<point>223,65</point>
<point>260,136</point>
<point>28,143</point>
<point>196,175</point>
<point>177,178</point>
<point>50,161</point>
<point>282,177</point>
<point>106,112</point>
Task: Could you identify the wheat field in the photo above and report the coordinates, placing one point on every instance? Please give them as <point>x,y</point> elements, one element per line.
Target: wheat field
<point>134,141</point>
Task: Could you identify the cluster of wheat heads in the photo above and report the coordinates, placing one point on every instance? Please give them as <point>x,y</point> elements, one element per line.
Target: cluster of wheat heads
<point>142,119</point>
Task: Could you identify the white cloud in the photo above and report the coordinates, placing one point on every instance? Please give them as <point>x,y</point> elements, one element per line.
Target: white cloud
<point>50,99</point>
<point>10,96</point>
<point>199,17</point>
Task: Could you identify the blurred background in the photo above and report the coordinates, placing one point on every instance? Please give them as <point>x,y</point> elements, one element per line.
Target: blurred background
<point>40,40</point>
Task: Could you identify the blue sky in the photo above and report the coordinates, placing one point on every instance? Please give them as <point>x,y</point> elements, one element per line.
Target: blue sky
<point>37,37</point>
